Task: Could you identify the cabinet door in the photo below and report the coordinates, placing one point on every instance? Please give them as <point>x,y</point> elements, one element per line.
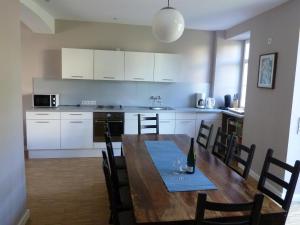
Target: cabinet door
<point>167,67</point>
<point>131,127</point>
<point>166,126</point>
<point>139,66</point>
<point>108,65</point>
<point>76,134</point>
<point>43,134</point>
<point>77,63</point>
<point>185,127</point>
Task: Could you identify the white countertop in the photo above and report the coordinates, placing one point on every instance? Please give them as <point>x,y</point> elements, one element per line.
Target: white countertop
<point>128,109</point>
<point>123,109</point>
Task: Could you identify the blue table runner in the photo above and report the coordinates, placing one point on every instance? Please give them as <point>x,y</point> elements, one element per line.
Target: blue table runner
<point>164,154</point>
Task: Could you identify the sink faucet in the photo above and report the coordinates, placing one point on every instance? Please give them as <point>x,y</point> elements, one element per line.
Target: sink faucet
<point>156,100</point>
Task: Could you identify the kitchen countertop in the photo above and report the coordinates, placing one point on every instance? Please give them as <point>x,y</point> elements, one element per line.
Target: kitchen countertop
<point>230,113</point>
<point>125,109</point>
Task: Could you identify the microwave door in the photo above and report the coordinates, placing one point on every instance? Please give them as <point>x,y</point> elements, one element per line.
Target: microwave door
<point>42,101</point>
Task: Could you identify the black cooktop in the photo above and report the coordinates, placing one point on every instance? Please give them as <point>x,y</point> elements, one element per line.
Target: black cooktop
<point>109,106</point>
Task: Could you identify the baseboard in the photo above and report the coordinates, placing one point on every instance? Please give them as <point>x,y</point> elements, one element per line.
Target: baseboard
<point>24,218</point>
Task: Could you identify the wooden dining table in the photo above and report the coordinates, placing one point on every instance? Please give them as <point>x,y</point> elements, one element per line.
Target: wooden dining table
<point>153,204</point>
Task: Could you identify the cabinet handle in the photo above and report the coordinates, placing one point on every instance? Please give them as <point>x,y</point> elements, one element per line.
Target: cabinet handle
<point>77,76</point>
<point>109,78</point>
<point>42,122</point>
<point>186,121</point>
<point>42,114</point>
<point>165,121</point>
<point>167,79</point>
<point>75,121</point>
<point>138,78</point>
<point>75,114</point>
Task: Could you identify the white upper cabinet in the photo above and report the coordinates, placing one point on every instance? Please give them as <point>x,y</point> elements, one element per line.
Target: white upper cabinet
<point>77,63</point>
<point>167,67</point>
<point>108,65</point>
<point>139,66</point>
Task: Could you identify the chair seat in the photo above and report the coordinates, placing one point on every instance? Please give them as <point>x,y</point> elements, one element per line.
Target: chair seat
<point>120,162</point>
<point>125,198</point>
<point>126,218</point>
<point>122,177</point>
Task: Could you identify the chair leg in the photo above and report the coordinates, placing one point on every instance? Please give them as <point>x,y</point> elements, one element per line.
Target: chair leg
<point>110,218</point>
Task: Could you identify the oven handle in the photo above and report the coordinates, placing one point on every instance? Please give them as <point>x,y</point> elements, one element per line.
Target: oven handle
<point>110,121</point>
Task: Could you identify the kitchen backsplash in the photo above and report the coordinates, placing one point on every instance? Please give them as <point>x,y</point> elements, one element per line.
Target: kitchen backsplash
<point>72,92</point>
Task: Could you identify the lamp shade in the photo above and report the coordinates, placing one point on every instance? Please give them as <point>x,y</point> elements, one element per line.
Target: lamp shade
<point>168,25</point>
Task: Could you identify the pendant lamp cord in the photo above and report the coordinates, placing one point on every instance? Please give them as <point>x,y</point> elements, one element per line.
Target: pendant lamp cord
<point>168,3</point>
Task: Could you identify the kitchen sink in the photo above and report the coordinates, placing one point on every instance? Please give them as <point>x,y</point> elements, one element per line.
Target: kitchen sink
<point>160,108</point>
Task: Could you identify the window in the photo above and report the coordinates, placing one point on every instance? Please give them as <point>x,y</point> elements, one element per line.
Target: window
<point>245,74</point>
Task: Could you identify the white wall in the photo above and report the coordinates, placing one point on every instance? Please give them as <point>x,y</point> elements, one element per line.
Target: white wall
<point>12,179</point>
<point>294,138</point>
<point>268,112</point>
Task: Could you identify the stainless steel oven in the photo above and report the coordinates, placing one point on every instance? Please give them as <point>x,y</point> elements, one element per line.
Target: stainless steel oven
<point>116,125</point>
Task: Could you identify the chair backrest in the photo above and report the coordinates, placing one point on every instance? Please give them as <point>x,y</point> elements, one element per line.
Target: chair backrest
<point>253,207</point>
<point>204,134</point>
<point>113,196</point>
<point>154,125</point>
<point>111,159</point>
<point>108,182</point>
<point>290,186</point>
<point>222,145</point>
<point>241,155</point>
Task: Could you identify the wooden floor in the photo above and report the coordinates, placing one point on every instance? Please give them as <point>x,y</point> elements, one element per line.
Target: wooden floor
<point>66,192</point>
<point>72,192</point>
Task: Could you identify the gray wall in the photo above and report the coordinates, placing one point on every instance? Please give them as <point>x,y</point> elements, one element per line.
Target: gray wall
<point>268,112</point>
<point>41,58</point>
<point>12,179</point>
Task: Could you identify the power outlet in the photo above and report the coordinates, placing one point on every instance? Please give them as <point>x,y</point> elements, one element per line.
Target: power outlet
<point>88,102</point>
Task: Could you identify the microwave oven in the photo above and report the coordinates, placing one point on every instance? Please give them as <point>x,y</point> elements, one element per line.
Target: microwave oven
<point>44,100</point>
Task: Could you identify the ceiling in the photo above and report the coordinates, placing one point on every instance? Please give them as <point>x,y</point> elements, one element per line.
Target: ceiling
<point>198,14</point>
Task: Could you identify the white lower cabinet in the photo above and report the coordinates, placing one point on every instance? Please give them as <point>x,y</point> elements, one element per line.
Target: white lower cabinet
<point>185,127</point>
<point>43,134</point>
<point>131,123</point>
<point>166,126</point>
<point>76,134</point>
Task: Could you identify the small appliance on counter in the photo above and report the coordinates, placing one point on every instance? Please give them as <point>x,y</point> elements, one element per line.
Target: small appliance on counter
<point>200,100</point>
<point>227,101</point>
<point>45,100</point>
<point>210,103</point>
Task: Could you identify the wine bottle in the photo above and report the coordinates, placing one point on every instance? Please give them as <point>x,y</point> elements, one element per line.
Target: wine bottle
<point>191,159</point>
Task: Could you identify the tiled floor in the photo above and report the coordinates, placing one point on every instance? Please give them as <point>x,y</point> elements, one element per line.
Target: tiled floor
<point>72,192</point>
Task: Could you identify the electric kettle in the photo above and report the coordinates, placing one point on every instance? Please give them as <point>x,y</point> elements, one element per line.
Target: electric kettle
<point>210,103</point>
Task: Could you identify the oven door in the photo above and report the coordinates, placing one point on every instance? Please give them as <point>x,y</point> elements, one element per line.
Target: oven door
<point>41,100</point>
<point>116,128</point>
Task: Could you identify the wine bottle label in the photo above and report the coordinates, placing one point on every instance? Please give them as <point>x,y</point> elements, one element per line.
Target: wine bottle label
<point>189,169</point>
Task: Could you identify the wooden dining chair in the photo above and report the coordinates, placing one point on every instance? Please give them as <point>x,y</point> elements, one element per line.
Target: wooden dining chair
<point>289,186</point>
<point>253,218</point>
<point>119,176</point>
<point>222,145</point>
<point>119,161</point>
<point>119,198</point>
<point>204,134</point>
<point>241,156</point>
<point>155,125</point>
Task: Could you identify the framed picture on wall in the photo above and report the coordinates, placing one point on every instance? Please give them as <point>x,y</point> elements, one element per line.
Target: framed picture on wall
<point>267,70</point>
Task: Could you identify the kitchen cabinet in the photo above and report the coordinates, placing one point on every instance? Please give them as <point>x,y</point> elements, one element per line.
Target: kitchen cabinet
<point>167,67</point>
<point>233,125</point>
<point>185,124</point>
<point>139,66</point>
<point>166,123</point>
<point>131,123</point>
<point>209,118</point>
<point>76,130</point>
<point>77,63</point>
<point>43,130</point>
<point>108,65</point>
